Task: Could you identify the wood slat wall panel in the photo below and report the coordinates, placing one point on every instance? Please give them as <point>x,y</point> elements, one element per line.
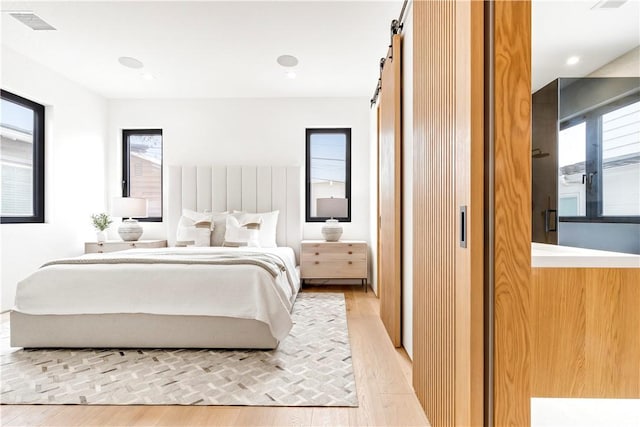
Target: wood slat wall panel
<point>390,190</point>
<point>585,333</point>
<point>512,212</point>
<point>469,192</point>
<point>434,209</point>
<point>448,173</point>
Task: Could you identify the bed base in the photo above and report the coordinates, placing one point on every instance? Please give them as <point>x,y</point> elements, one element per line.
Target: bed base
<point>138,331</point>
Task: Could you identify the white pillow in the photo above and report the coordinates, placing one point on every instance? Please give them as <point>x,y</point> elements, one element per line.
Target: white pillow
<point>194,228</point>
<point>239,235</point>
<point>268,226</point>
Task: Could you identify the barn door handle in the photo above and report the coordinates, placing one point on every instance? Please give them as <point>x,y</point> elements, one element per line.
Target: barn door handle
<point>463,226</point>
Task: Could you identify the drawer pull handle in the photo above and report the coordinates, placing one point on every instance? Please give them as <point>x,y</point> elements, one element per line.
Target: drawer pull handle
<point>317,262</point>
<point>100,244</point>
<point>350,253</point>
<point>317,253</point>
<point>350,262</point>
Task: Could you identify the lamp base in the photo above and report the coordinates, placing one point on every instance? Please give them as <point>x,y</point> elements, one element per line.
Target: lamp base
<point>130,230</point>
<point>332,230</point>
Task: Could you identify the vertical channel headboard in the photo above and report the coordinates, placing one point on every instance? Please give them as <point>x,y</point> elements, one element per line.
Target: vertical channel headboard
<point>245,188</point>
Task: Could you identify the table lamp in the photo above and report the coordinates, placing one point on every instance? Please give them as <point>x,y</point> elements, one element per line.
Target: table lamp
<point>129,207</point>
<point>332,207</point>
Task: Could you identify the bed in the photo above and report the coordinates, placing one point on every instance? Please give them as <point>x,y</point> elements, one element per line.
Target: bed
<point>210,297</point>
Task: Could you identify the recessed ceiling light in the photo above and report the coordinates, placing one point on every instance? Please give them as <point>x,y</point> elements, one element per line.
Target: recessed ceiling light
<point>148,76</point>
<point>291,74</point>
<point>130,62</point>
<point>287,60</point>
<point>573,60</point>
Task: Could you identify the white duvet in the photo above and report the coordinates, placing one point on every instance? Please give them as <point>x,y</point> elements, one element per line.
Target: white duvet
<point>239,291</point>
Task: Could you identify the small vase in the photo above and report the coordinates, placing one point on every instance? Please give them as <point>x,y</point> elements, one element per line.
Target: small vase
<point>101,236</point>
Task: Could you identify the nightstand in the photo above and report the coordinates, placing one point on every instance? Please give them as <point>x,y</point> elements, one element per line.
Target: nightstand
<point>121,245</point>
<point>334,260</point>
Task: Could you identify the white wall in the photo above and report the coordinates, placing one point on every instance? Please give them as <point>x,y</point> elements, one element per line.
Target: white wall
<point>627,65</point>
<point>75,135</point>
<point>260,131</point>
<point>407,182</point>
<point>373,195</point>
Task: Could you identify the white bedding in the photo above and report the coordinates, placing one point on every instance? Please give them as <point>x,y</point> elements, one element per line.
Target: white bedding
<point>239,291</point>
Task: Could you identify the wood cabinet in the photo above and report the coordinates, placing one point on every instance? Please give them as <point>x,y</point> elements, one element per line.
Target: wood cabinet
<point>120,245</point>
<point>585,328</point>
<point>334,260</point>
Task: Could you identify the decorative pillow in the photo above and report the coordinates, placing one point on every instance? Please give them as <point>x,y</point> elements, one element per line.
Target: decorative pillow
<point>194,228</point>
<point>268,226</point>
<point>219,221</point>
<point>237,234</point>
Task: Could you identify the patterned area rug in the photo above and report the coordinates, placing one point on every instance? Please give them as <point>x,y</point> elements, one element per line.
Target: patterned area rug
<point>311,367</point>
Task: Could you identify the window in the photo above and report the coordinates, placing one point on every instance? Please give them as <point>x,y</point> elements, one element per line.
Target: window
<point>328,175</point>
<point>21,159</point>
<point>142,168</point>
<point>599,164</point>
<point>572,142</point>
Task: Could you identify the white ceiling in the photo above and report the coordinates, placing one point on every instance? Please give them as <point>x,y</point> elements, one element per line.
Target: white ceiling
<point>561,29</point>
<point>209,48</point>
<point>229,49</point>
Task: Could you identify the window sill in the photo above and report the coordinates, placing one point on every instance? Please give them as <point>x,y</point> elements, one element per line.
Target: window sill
<point>602,219</point>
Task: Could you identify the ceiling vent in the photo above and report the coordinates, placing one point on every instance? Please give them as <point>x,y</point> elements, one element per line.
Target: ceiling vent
<point>609,4</point>
<point>32,21</point>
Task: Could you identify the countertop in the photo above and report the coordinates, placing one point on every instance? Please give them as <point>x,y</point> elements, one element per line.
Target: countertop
<point>553,256</point>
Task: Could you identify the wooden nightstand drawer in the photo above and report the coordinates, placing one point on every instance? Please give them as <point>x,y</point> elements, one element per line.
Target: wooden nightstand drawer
<point>337,248</point>
<point>119,245</point>
<point>321,256</point>
<point>335,269</point>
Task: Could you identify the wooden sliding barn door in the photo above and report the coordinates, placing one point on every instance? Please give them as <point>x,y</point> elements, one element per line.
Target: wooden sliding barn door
<point>511,102</point>
<point>390,175</point>
<point>448,211</point>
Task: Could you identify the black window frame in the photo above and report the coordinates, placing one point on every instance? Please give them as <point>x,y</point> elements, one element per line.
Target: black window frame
<point>347,189</point>
<point>126,153</point>
<point>593,162</point>
<point>38,167</point>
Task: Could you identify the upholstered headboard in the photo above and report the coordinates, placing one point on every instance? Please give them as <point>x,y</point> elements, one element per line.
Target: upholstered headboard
<point>246,188</point>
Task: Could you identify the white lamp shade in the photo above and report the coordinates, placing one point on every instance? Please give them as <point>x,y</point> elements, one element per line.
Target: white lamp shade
<point>332,207</point>
<point>129,207</point>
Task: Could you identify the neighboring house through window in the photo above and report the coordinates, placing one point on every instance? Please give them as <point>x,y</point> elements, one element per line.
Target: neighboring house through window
<point>142,168</point>
<point>21,159</point>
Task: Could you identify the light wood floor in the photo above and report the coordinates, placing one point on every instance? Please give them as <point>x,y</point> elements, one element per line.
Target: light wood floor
<point>383,379</point>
